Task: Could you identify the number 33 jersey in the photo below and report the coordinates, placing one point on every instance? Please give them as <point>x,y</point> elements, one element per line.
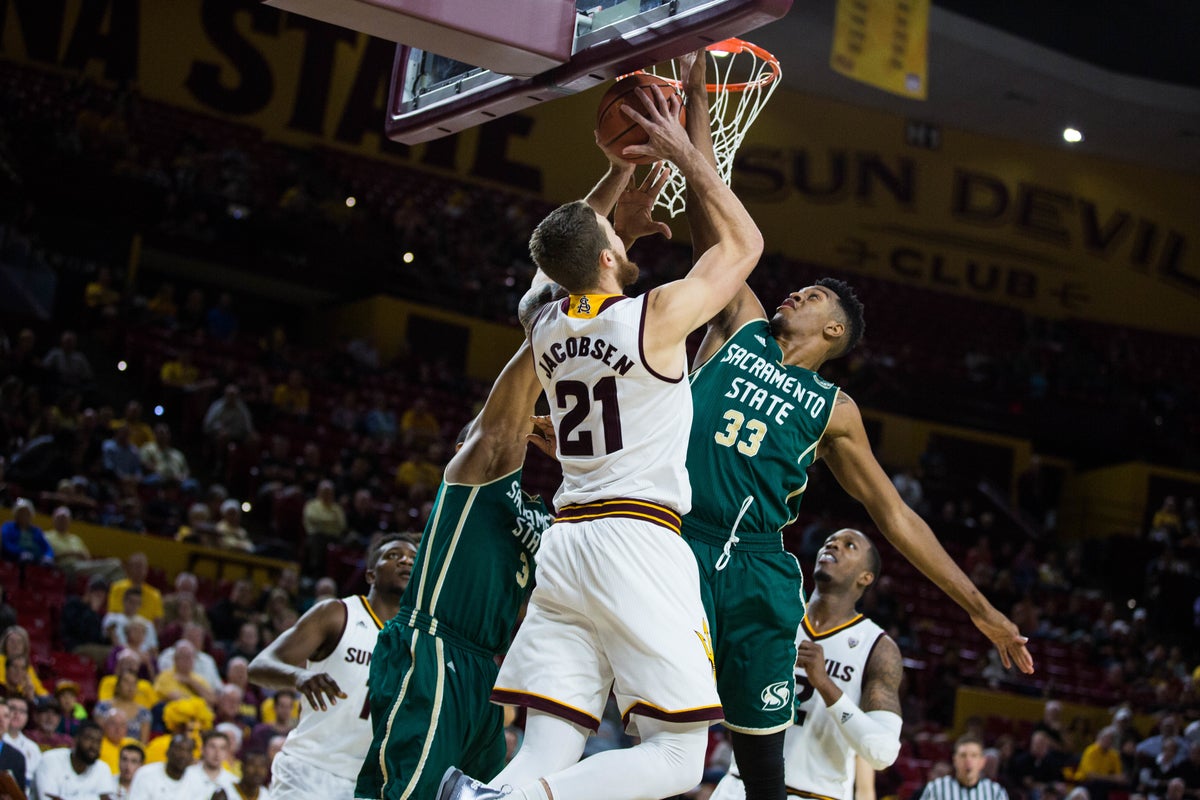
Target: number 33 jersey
<point>756,429</point>
<point>622,428</point>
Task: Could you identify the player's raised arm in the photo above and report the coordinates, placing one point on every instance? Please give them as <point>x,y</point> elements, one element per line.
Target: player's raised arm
<point>282,665</point>
<point>847,451</point>
<point>744,306</point>
<point>682,306</point>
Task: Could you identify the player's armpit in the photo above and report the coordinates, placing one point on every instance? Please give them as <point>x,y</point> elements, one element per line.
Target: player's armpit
<point>881,682</point>
<point>311,638</point>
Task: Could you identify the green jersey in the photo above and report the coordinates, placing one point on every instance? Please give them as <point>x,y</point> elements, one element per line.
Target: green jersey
<point>755,428</point>
<point>475,563</point>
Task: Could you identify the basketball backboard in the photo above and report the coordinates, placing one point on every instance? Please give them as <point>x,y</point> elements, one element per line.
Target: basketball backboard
<point>436,94</point>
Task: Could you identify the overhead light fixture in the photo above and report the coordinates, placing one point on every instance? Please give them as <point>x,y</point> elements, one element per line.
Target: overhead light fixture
<point>1072,136</point>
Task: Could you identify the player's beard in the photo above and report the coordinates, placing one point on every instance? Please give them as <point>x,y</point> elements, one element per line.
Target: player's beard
<point>627,271</point>
<point>776,325</point>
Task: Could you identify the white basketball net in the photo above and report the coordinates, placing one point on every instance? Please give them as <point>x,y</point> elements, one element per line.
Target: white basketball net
<point>732,111</point>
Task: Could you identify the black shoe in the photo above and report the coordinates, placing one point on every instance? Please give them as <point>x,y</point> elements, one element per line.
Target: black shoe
<point>456,785</point>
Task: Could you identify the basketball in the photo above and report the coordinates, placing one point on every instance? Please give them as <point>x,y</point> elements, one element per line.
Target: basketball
<point>617,131</point>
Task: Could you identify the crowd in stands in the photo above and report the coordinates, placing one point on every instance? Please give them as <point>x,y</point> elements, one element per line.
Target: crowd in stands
<point>218,429</point>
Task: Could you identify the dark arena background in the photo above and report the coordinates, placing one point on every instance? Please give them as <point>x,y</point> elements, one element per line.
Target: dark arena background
<point>203,221</point>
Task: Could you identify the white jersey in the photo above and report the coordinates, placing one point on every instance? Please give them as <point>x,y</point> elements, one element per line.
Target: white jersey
<point>622,428</point>
<point>336,740</point>
<point>55,776</point>
<point>818,761</point>
<point>151,782</point>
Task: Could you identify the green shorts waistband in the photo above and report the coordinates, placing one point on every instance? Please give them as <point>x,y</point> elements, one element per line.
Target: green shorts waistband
<point>419,620</point>
<point>748,541</point>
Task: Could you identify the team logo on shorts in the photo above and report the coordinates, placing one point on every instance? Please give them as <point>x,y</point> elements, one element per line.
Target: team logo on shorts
<point>777,695</point>
<point>706,642</point>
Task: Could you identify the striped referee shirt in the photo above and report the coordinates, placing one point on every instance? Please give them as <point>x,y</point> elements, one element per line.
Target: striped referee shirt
<point>947,787</point>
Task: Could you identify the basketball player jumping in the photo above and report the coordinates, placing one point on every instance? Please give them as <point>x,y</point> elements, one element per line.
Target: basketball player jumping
<point>848,672</point>
<point>326,656</point>
<point>435,664</point>
<point>617,604</point>
<point>762,416</point>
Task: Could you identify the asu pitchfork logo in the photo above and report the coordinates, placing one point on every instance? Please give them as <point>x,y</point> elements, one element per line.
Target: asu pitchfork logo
<point>706,642</point>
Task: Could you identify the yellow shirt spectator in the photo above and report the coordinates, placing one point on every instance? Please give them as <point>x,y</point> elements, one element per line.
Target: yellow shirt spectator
<point>152,607</point>
<point>1099,761</point>
<point>38,688</point>
<point>145,697</point>
<point>178,374</point>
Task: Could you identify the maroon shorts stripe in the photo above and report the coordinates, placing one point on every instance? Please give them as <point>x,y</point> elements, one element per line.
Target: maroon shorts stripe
<point>706,713</point>
<point>509,697</point>
<point>624,508</point>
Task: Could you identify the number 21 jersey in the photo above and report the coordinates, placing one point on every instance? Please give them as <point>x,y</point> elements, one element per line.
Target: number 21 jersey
<point>622,428</point>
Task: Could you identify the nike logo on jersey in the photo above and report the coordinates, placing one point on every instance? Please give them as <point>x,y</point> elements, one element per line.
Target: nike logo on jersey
<point>777,695</point>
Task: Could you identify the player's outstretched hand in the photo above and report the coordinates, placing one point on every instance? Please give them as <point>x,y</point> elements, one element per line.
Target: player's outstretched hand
<point>317,687</point>
<point>1008,640</point>
<point>543,437</point>
<point>668,139</point>
<point>633,217</point>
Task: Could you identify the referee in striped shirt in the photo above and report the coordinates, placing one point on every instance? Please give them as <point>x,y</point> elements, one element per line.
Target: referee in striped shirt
<point>967,782</point>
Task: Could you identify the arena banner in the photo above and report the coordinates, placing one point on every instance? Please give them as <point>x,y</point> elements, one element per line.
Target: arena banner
<point>883,43</point>
<point>1044,228</point>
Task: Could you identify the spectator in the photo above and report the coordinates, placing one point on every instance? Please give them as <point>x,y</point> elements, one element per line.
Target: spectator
<point>228,419</point>
<point>71,554</point>
<point>1052,725</point>
<point>15,646</point>
<point>78,771</point>
<point>140,434</point>
<point>125,698</point>
<point>67,366</point>
<point>256,770</point>
<point>419,471</point>
<point>362,520</point>
<point>99,295</point>
<point>162,461</point>
<point>23,363</point>
<point>209,776</point>
<point>136,569</point>
<point>121,459</point>
<point>418,426</point>
<point>228,708</point>
<point>292,397</point>
<point>220,321</point>
<point>380,421</point>
<point>116,624</point>
<point>114,724</point>
<point>1151,747</point>
<point>1167,523</point>
<point>248,642</point>
<point>182,374</point>
<point>181,681</point>
<point>230,533</point>
<point>199,528</point>
<point>910,489</point>
<point>1154,777</point>
<point>1100,767</point>
<point>23,541</point>
<point>131,760</point>
<point>166,777</point>
<point>324,524</point>
<point>66,693</point>
<point>162,309</point>
<point>228,614</point>
<point>237,675</point>
<point>11,758</point>
<point>346,415</point>
<point>1040,768</point>
<point>205,666</point>
<point>18,710</point>
<point>47,718</point>
<point>83,622</point>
